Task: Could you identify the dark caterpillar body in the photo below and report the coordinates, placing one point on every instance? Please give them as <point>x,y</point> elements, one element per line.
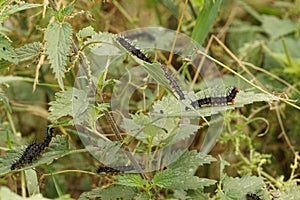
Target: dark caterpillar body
<point>33,150</point>
<point>229,98</point>
<point>116,169</point>
<point>173,83</point>
<point>252,196</point>
<point>133,50</point>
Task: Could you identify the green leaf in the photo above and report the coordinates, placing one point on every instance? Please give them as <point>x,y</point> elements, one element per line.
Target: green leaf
<point>192,160</point>
<point>80,105</point>
<point>111,192</point>
<point>172,107</point>
<point>132,180</point>
<point>143,196</point>
<point>291,192</point>
<point>105,45</point>
<point>60,14</point>
<point>198,194</point>
<point>58,147</point>
<point>147,133</point>
<point>86,32</point>
<point>173,179</point>
<point>62,106</point>
<point>184,131</point>
<point>246,183</point>
<point>58,38</point>
<point>235,188</point>
<point>6,51</point>
<point>68,10</point>
<point>32,182</point>
<point>17,8</point>
<point>205,20</point>
<point>270,25</point>
<point>28,51</point>
<point>6,193</point>
<point>155,72</point>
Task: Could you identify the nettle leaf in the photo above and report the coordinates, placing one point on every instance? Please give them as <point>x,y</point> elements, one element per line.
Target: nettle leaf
<point>161,132</point>
<point>182,132</point>
<point>6,51</point>
<point>291,192</point>
<point>180,176</point>
<point>146,133</point>
<point>173,179</point>
<point>80,105</point>
<point>58,38</point>
<point>270,25</point>
<point>206,159</point>
<point>31,181</point>
<point>198,194</point>
<point>17,8</point>
<point>86,32</point>
<point>170,106</point>
<point>62,106</point>
<point>111,192</point>
<point>239,187</point>
<point>6,193</point>
<point>28,51</point>
<point>59,147</point>
<point>67,10</point>
<point>142,196</point>
<point>104,44</point>
<point>155,72</point>
<point>192,160</point>
<point>132,180</point>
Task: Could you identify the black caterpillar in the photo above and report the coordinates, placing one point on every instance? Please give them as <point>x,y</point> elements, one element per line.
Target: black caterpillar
<point>252,196</point>
<point>174,85</point>
<point>33,150</point>
<point>116,169</point>
<point>229,98</point>
<point>134,51</point>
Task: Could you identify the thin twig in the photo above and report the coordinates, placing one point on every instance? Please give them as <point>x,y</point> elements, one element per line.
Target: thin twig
<point>283,130</point>
<point>177,31</point>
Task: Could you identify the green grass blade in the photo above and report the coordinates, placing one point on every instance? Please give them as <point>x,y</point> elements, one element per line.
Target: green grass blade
<point>205,19</point>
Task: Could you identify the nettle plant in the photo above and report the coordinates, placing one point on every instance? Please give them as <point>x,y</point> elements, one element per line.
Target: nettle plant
<point>161,117</point>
